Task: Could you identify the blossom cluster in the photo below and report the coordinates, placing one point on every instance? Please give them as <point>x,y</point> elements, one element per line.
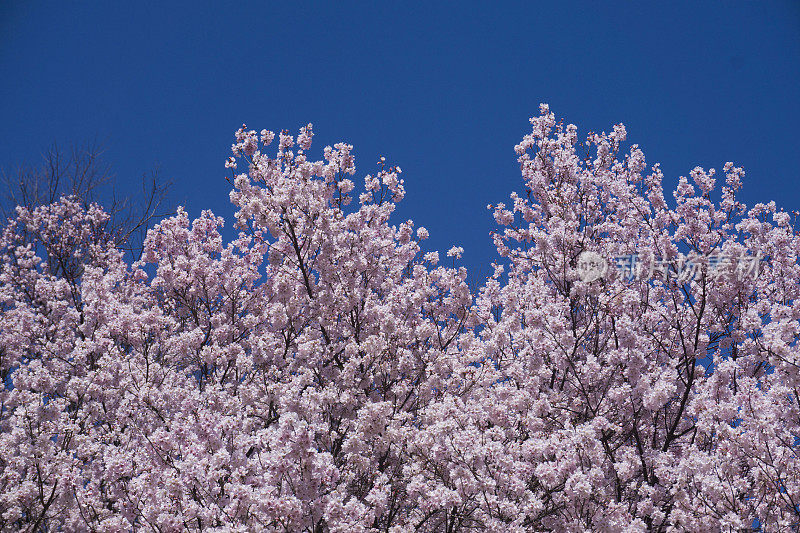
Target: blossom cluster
<point>323,372</point>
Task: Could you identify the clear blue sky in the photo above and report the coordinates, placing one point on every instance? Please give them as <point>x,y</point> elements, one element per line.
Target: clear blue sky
<point>444,91</point>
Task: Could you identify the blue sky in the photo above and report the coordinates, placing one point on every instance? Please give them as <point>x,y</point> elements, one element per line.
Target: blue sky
<point>442,90</point>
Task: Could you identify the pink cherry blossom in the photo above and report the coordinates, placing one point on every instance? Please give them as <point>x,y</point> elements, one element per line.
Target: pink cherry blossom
<point>323,372</point>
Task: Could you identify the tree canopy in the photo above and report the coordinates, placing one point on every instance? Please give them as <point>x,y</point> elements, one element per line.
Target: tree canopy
<point>323,371</point>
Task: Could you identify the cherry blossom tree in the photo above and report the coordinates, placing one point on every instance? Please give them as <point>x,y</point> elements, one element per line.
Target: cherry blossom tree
<point>80,172</point>
<point>323,372</point>
<point>652,403</point>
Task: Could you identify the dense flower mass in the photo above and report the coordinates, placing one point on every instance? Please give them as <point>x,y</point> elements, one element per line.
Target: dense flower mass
<point>322,372</point>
